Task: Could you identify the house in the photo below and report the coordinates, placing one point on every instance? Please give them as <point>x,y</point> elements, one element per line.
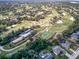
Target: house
<point>58,36</point>
<point>8,27</point>
<point>76,11</point>
<point>45,55</point>
<point>13,26</point>
<point>75,35</point>
<point>56,20</point>
<point>66,44</point>
<point>58,50</point>
<point>40,13</point>
<point>13,20</point>
<point>59,22</point>
<point>63,13</point>
<point>72,19</point>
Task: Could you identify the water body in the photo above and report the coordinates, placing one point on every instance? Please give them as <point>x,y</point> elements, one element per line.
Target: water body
<point>74,2</point>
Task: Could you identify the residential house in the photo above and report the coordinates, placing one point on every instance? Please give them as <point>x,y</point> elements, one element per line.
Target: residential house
<point>66,44</point>
<point>72,19</point>
<point>45,55</point>
<point>74,37</point>
<point>58,50</point>
<point>56,20</point>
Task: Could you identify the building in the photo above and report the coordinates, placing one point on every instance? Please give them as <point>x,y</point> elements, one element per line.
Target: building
<point>13,20</point>
<point>58,50</point>
<point>56,20</point>
<point>72,19</point>
<point>75,35</point>
<point>23,35</point>
<point>45,55</point>
<point>66,44</point>
<point>59,22</point>
<point>58,36</point>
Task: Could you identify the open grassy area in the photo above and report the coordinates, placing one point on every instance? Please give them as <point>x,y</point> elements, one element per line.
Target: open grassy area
<point>46,35</point>
<point>58,27</point>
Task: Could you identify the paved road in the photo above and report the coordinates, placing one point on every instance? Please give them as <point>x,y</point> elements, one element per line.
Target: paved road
<point>74,55</point>
<point>9,50</point>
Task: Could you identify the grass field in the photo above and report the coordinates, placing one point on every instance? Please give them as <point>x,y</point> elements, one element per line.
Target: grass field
<point>58,27</point>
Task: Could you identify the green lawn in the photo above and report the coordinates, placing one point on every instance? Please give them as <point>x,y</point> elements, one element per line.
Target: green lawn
<point>46,35</point>
<point>61,57</point>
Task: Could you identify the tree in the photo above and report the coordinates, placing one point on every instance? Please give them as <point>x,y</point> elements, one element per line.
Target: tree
<point>3,57</point>
<point>30,54</point>
<point>39,45</point>
<point>17,55</point>
<point>32,50</point>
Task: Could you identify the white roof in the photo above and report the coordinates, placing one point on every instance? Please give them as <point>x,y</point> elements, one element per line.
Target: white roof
<point>72,19</point>
<point>22,36</point>
<point>45,55</point>
<point>17,40</point>
<point>13,25</point>
<point>26,34</point>
<point>59,22</point>
<point>9,27</point>
<point>64,13</point>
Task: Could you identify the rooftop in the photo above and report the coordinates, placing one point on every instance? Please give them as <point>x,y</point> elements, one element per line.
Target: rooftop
<point>57,50</point>
<point>45,55</point>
